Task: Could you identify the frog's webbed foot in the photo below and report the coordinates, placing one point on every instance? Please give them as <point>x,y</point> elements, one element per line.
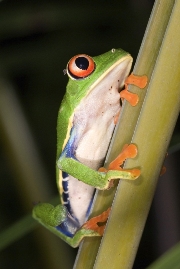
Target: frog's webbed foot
<point>128,151</point>
<point>97,223</point>
<point>47,214</point>
<point>139,81</point>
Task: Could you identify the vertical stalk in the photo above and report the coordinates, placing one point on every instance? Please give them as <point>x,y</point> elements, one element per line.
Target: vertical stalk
<point>133,199</point>
<point>152,135</point>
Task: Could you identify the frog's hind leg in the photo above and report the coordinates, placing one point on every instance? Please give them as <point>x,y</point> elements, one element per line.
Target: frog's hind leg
<point>97,223</point>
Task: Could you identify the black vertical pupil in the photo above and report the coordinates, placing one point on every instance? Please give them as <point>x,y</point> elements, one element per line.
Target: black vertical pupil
<point>82,63</point>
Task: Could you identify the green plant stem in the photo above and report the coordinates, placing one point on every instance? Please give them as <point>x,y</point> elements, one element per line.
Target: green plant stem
<point>133,200</point>
<point>152,135</point>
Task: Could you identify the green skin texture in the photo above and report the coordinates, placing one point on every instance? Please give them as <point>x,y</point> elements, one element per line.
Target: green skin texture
<point>46,214</point>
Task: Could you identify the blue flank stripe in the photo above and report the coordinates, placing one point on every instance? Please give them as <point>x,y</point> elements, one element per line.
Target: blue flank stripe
<point>69,149</point>
<point>65,174</point>
<point>65,182</point>
<point>68,152</point>
<point>63,229</point>
<point>65,197</point>
<point>71,224</point>
<point>90,205</point>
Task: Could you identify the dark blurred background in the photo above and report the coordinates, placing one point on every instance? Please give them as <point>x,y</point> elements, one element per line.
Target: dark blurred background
<point>37,38</point>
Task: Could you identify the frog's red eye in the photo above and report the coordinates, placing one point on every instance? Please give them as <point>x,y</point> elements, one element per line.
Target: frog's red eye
<point>80,66</point>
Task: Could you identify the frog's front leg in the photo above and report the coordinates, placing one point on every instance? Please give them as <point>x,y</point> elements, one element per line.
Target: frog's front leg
<point>101,179</point>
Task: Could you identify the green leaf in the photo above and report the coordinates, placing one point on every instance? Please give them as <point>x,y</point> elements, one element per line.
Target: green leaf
<point>171,259</point>
<point>17,231</point>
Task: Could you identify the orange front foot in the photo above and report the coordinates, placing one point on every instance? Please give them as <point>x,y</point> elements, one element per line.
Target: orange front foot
<point>92,224</point>
<point>139,81</point>
<point>128,151</point>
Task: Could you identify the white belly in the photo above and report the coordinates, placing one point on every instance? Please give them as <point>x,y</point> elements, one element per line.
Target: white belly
<point>94,124</point>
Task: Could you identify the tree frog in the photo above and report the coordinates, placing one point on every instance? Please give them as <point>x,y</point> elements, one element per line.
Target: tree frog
<point>86,121</point>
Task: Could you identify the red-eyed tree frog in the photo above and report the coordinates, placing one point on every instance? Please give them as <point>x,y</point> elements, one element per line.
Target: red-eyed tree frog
<point>86,120</point>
